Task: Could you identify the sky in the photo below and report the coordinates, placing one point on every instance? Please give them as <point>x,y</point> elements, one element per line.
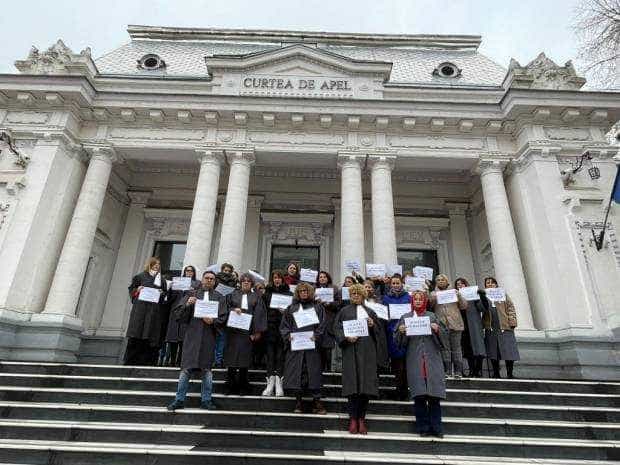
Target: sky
<point>509,28</point>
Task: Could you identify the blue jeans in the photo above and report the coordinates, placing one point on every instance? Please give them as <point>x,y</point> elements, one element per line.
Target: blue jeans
<point>427,414</point>
<point>206,388</point>
<point>220,342</point>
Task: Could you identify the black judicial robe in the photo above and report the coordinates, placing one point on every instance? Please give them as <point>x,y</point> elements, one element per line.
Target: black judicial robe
<point>146,318</point>
<point>238,349</point>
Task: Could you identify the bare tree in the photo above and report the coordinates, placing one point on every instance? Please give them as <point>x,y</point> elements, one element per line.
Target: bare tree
<point>597,26</point>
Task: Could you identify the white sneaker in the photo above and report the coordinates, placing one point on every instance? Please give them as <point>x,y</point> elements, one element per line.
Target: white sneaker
<point>279,388</point>
<point>271,381</point>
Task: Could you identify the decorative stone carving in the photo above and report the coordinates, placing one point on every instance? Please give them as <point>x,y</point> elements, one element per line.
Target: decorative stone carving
<point>294,137</point>
<point>437,142</point>
<point>157,134</point>
<point>162,226</point>
<point>542,73</point>
<point>4,213</point>
<point>27,117</point>
<point>58,59</point>
<point>567,133</point>
<point>7,144</point>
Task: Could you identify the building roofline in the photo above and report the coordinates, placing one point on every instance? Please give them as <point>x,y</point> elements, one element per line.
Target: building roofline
<point>272,35</point>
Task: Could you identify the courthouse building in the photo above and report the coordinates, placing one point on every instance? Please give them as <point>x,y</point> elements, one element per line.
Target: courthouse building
<point>204,146</point>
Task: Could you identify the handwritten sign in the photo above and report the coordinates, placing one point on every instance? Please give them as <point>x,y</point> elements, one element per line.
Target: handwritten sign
<point>362,314</point>
<point>292,287</point>
<point>305,318</point>
<point>469,293</point>
<point>224,290</point>
<point>149,294</point>
<point>302,340</point>
<point>324,294</point>
<point>496,294</point>
<point>398,310</point>
<point>381,310</point>
<point>308,275</point>
<point>418,326</point>
<point>423,272</point>
<point>206,309</point>
<point>239,321</point>
<point>181,284</point>
<point>414,283</point>
<point>394,269</point>
<point>280,300</point>
<point>352,265</point>
<point>375,270</point>
<point>447,296</point>
<point>344,293</point>
<point>355,328</point>
<point>213,268</point>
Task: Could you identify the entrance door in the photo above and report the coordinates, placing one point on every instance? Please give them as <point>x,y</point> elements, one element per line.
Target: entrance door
<point>306,256</point>
<point>409,258</point>
<point>171,254</point>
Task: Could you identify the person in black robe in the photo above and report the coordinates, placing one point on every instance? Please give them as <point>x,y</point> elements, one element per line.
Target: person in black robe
<point>144,330</point>
<point>199,343</point>
<point>360,358</point>
<point>226,277</point>
<point>324,280</point>
<point>472,339</point>
<point>238,352</point>
<point>302,368</point>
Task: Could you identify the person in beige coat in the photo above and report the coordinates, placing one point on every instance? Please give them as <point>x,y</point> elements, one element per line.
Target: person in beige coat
<point>449,315</point>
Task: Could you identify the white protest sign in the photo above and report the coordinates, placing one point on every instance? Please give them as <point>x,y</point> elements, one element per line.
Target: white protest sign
<point>469,293</point>
<point>362,314</point>
<point>224,289</point>
<point>292,287</point>
<point>496,294</point>
<point>394,269</point>
<point>423,272</point>
<point>344,293</point>
<point>308,275</point>
<point>446,297</point>
<point>206,309</point>
<point>375,270</point>
<point>280,300</point>
<point>257,277</point>
<point>305,318</point>
<point>414,283</point>
<point>239,321</point>
<point>352,265</point>
<point>380,310</point>
<point>418,326</point>
<point>213,268</point>
<point>181,284</point>
<point>302,341</point>
<point>324,294</point>
<point>355,328</point>
<point>149,294</point>
<point>398,310</point>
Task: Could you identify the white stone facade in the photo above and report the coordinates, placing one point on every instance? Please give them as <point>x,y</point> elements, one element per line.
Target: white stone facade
<point>359,145</point>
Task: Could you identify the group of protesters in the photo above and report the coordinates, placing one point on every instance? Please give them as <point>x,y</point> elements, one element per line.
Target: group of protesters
<point>292,326</point>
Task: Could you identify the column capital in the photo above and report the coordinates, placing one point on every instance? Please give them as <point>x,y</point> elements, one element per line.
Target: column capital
<point>378,161</point>
<point>457,208</point>
<point>351,158</point>
<point>103,152</point>
<point>209,155</point>
<point>255,201</point>
<point>492,163</point>
<point>244,156</point>
<point>139,198</point>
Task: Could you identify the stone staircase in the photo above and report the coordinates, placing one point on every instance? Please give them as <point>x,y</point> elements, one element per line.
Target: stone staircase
<point>87,414</point>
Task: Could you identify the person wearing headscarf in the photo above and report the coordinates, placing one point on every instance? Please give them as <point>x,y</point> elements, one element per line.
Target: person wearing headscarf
<point>361,356</point>
<point>425,371</point>
<point>199,343</point>
<point>397,295</point>
<point>176,328</point>
<point>144,330</point>
<point>499,323</point>
<point>240,342</point>
<point>324,280</point>
<point>472,341</point>
<point>450,316</point>
<point>302,368</point>
<point>274,345</point>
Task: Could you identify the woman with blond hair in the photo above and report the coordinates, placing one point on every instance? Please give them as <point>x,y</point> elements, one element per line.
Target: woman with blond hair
<point>449,314</point>
<point>144,330</point>
<point>302,368</point>
<point>360,358</point>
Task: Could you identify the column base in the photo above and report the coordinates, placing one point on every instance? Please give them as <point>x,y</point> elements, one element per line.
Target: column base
<point>40,337</point>
<point>102,350</point>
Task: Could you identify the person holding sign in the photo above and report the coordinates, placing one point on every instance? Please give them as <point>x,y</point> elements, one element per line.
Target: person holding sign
<point>499,324</point>
<point>425,371</point>
<point>472,341</point>
<point>274,345</point>
<point>226,277</point>
<point>240,341</point>
<point>447,305</point>
<point>147,317</point>
<point>302,368</point>
<point>324,281</point>
<point>360,357</point>
<point>176,328</point>
<point>394,296</point>
<point>199,342</point>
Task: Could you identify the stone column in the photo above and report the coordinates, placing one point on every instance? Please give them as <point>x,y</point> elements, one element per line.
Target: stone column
<point>351,209</point>
<point>459,242</point>
<point>252,232</point>
<point>67,284</point>
<point>506,259</point>
<point>235,210</point>
<point>117,303</point>
<point>383,223</point>
<point>200,233</point>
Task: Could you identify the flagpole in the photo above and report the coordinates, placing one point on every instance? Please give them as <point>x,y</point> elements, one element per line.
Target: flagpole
<point>600,238</point>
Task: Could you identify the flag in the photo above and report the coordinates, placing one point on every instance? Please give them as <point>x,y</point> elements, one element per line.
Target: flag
<point>615,192</point>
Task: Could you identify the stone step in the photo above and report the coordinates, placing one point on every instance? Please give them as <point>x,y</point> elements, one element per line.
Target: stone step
<point>286,404</point>
<point>229,440</point>
<point>284,421</point>
<point>81,453</point>
<point>556,386</point>
<point>170,384</point>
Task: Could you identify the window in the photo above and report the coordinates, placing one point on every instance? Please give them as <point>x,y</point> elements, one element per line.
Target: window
<point>151,62</point>
<point>306,256</point>
<point>447,70</point>
<point>171,255</point>
<point>409,258</point>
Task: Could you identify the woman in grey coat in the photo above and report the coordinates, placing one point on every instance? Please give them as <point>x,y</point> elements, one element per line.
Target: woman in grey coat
<point>302,368</point>
<point>360,358</point>
<point>199,343</point>
<point>425,368</point>
<point>239,342</point>
<point>472,339</point>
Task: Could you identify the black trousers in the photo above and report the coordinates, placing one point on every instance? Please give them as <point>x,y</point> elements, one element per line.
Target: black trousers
<point>275,357</point>
<point>510,364</point>
<point>427,414</point>
<point>475,366</point>
<point>399,370</point>
<point>237,380</point>
<point>140,352</point>
<point>326,359</point>
<point>357,406</point>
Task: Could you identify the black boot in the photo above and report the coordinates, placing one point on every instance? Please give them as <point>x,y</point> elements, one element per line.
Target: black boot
<point>510,364</point>
<point>495,364</point>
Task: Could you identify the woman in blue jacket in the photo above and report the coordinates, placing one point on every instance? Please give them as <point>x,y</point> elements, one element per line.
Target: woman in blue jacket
<point>397,295</point>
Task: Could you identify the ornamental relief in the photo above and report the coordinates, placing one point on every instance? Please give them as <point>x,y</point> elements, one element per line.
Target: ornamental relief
<point>418,237</point>
<point>567,133</point>
<point>298,137</point>
<point>312,233</point>
<point>27,117</point>
<point>436,142</point>
<point>157,134</point>
<point>163,227</point>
